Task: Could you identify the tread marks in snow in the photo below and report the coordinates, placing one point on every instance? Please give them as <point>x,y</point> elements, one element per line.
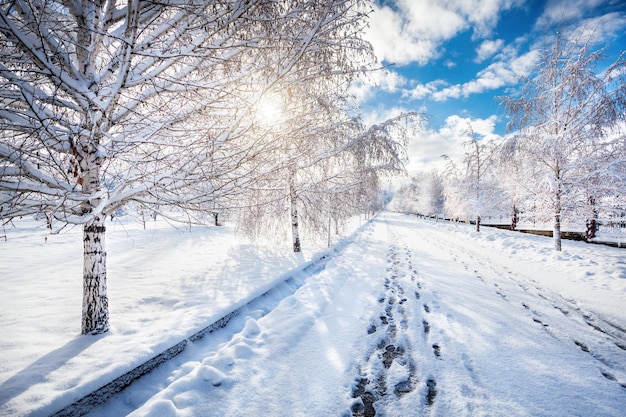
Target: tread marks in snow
<point>500,292</point>
<point>607,330</point>
<point>593,322</point>
<point>608,333</point>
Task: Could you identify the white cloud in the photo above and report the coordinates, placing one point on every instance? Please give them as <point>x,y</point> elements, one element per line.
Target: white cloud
<point>362,91</point>
<point>601,28</point>
<point>562,11</point>
<point>375,82</point>
<point>581,20</point>
<point>487,49</point>
<point>394,38</point>
<point>415,30</point>
<point>453,91</point>
<point>522,65</point>
<point>427,147</point>
<point>389,81</point>
<point>421,91</point>
<point>432,19</point>
<point>381,113</point>
<point>483,14</point>
<point>502,73</point>
<point>457,126</point>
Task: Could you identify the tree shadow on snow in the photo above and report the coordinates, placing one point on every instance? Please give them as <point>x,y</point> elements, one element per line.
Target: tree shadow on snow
<point>38,371</point>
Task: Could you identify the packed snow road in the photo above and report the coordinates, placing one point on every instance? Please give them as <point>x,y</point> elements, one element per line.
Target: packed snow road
<point>410,319</point>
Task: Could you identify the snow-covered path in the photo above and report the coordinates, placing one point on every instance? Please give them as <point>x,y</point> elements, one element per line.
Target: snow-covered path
<point>416,318</point>
<point>494,342</point>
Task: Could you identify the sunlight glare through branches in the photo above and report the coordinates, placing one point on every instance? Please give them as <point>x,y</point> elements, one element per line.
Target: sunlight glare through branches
<point>270,110</point>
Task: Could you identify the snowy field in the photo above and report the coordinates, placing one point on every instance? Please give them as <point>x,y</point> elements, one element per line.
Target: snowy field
<point>408,317</point>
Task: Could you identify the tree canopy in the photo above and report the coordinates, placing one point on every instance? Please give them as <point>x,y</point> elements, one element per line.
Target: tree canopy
<point>109,104</point>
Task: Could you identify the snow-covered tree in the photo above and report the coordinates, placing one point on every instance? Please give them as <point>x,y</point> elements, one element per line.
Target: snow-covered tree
<point>519,185</point>
<point>331,165</point>
<point>603,178</point>
<point>109,103</point>
<point>456,199</point>
<point>478,157</point>
<point>566,108</point>
<point>423,195</point>
<point>473,191</point>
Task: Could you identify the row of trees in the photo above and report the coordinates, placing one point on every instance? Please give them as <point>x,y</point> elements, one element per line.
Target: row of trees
<point>565,158</point>
<point>163,105</point>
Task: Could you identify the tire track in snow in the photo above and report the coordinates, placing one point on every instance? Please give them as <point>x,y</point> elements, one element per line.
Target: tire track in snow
<point>603,340</point>
<point>547,301</point>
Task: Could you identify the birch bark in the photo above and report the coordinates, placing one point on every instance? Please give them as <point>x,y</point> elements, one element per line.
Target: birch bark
<point>95,313</point>
<point>295,230</point>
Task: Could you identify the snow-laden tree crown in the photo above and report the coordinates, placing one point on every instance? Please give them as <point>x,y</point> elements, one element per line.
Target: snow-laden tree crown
<point>166,106</point>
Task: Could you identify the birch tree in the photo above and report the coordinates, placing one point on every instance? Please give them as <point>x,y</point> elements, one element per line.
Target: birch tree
<point>603,179</point>
<point>151,99</point>
<point>520,182</point>
<point>346,180</point>
<point>431,194</point>
<point>332,165</point>
<point>566,105</point>
<point>473,191</point>
<point>477,160</point>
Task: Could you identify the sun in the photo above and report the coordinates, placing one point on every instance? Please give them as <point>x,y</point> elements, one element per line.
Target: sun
<point>269,110</point>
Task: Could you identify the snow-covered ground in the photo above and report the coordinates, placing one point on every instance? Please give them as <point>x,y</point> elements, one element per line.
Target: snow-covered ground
<point>409,317</point>
<point>164,284</point>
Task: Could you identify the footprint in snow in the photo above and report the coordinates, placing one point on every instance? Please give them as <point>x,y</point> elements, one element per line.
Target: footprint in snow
<point>251,328</point>
<point>212,375</point>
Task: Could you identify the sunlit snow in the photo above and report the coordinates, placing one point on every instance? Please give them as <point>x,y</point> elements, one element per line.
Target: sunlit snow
<point>430,318</point>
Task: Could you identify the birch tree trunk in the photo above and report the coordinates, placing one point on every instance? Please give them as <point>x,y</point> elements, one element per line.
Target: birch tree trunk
<point>514,218</point>
<point>557,231</point>
<point>556,234</point>
<point>95,312</point>
<point>95,316</point>
<point>295,230</point>
<point>591,223</point>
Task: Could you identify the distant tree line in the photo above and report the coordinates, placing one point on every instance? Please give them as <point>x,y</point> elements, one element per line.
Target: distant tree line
<point>564,160</point>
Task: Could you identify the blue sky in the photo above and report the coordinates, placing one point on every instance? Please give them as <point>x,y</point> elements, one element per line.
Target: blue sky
<point>449,59</point>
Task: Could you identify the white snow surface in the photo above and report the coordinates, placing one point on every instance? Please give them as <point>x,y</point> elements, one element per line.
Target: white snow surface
<point>427,318</point>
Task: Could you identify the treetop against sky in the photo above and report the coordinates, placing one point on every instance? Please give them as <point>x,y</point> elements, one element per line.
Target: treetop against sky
<point>449,60</point>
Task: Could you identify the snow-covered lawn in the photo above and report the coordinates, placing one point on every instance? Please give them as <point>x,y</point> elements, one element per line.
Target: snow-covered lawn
<point>165,284</point>
<point>409,317</point>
